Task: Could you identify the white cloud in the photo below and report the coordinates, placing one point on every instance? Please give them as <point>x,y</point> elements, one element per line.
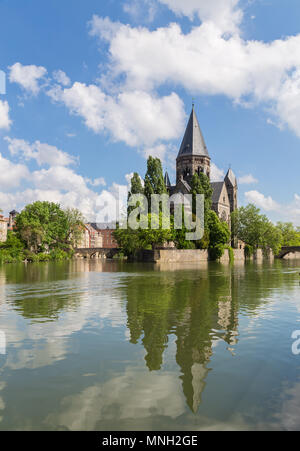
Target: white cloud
<point>5,121</point>
<point>158,151</point>
<point>141,10</point>
<point>247,180</point>
<point>43,153</point>
<point>27,76</point>
<point>203,61</point>
<point>216,173</point>
<point>261,201</point>
<point>223,13</point>
<point>61,77</point>
<point>135,117</point>
<point>96,182</point>
<point>11,174</point>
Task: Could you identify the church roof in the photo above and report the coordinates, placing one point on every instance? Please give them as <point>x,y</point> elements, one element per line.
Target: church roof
<point>231,177</point>
<point>193,142</point>
<point>217,190</point>
<point>167,180</point>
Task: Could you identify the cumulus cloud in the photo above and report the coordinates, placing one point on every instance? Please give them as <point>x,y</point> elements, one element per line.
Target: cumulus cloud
<point>27,76</point>
<point>247,180</point>
<point>135,117</point>
<point>216,173</point>
<point>96,182</point>
<point>41,152</point>
<point>141,10</point>
<point>261,201</point>
<point>56,182</point>
<point>204,61</point>
<point>5,121</point>
<point>61,77</point>
<point>224,13</point>
<point>11,174</point>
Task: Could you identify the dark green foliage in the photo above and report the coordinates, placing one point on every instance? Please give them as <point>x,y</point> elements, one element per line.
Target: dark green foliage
<point>290,235</point>
<point>248,251</point>
<point>201,185</point>
<point>44,232</point>
<point>219,236</point>
<point>231,253</point>
<point>255,229</point>
<point>136,185</point>
<point>154,179</point>
<point>216,252</point>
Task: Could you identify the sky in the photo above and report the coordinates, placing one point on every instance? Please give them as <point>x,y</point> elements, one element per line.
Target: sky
<point>94,87</point>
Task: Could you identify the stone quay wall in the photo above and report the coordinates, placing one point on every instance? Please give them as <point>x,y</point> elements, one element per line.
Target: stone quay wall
<point>192,255</point>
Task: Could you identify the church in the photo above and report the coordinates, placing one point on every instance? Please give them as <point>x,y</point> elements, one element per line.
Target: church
<point>193,157</point>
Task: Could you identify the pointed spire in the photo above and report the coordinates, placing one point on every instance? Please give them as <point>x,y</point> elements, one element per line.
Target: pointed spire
<point>193,142</point>
<point>230,177</point>
<point>167,180</point>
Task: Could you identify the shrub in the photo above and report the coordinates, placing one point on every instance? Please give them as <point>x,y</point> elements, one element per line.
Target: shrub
<point>231,253</point>
<point>248,251</point>
<point>216,252</point>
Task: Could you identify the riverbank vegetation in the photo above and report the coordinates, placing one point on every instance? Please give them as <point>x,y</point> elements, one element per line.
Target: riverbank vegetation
<point>248,225</point>
<point>216,233</point>
<point>43,232</point>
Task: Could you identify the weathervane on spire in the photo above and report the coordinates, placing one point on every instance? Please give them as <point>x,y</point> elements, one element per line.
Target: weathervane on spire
<point>193,103</point>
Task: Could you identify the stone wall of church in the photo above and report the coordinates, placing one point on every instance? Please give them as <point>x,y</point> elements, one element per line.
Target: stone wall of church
<point>188,165</point>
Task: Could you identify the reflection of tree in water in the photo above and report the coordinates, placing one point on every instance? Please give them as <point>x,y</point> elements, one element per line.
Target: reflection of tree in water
<point>200,308</point>
<point>190,305</point>
<point>45,290</point>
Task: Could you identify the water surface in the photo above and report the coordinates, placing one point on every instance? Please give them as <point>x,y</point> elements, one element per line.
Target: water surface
<point>95,345</point>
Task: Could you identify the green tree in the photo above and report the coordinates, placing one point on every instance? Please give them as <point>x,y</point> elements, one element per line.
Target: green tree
<point>136,185</point>
<point>154,179</point>
<point>256,229</point>
<point>43,226</point>
<point>219,235</point>
<point>290,235</point>
<point>75,226</point>
<point>135,188</point>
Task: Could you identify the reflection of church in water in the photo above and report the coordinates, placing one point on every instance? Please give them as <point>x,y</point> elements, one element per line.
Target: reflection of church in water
<point>200,310</point>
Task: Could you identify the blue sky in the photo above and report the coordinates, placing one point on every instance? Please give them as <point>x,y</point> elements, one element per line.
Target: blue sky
<point>94,87</point>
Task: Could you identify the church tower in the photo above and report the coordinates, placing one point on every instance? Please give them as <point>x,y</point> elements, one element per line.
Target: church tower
<point>193,155</point>
<point>232,189</point>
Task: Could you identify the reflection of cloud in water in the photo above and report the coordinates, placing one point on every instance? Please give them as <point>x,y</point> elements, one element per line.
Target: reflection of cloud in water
<point>133,395</point>
<point>98,304</point>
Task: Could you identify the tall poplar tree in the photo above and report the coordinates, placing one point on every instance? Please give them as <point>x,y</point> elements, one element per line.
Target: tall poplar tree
<point>154,179</point>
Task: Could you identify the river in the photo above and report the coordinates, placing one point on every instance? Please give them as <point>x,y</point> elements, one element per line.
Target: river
<point>109,345</point>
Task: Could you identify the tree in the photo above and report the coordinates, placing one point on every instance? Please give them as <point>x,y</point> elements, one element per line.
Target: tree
<point>43,226</point>
<point>154,179</point>
<point>136,185</point>
<point>201,185</point>
<point>131,241</point>
<point>75,226</point>
<point>219,235</point>
<point>256,229</point>
<point>290,235</point>
<point>135,188</point>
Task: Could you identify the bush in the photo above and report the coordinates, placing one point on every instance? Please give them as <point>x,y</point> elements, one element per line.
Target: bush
<point>231,253</point>
<point>58,254</point>
<point>216,252</point>
<point>248,251</point>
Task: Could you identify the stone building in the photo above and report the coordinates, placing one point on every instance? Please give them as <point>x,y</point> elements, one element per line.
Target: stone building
<point>193,157</point>
<point>90,238</point>
<point>106,230</point>
<point>3,229</point>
